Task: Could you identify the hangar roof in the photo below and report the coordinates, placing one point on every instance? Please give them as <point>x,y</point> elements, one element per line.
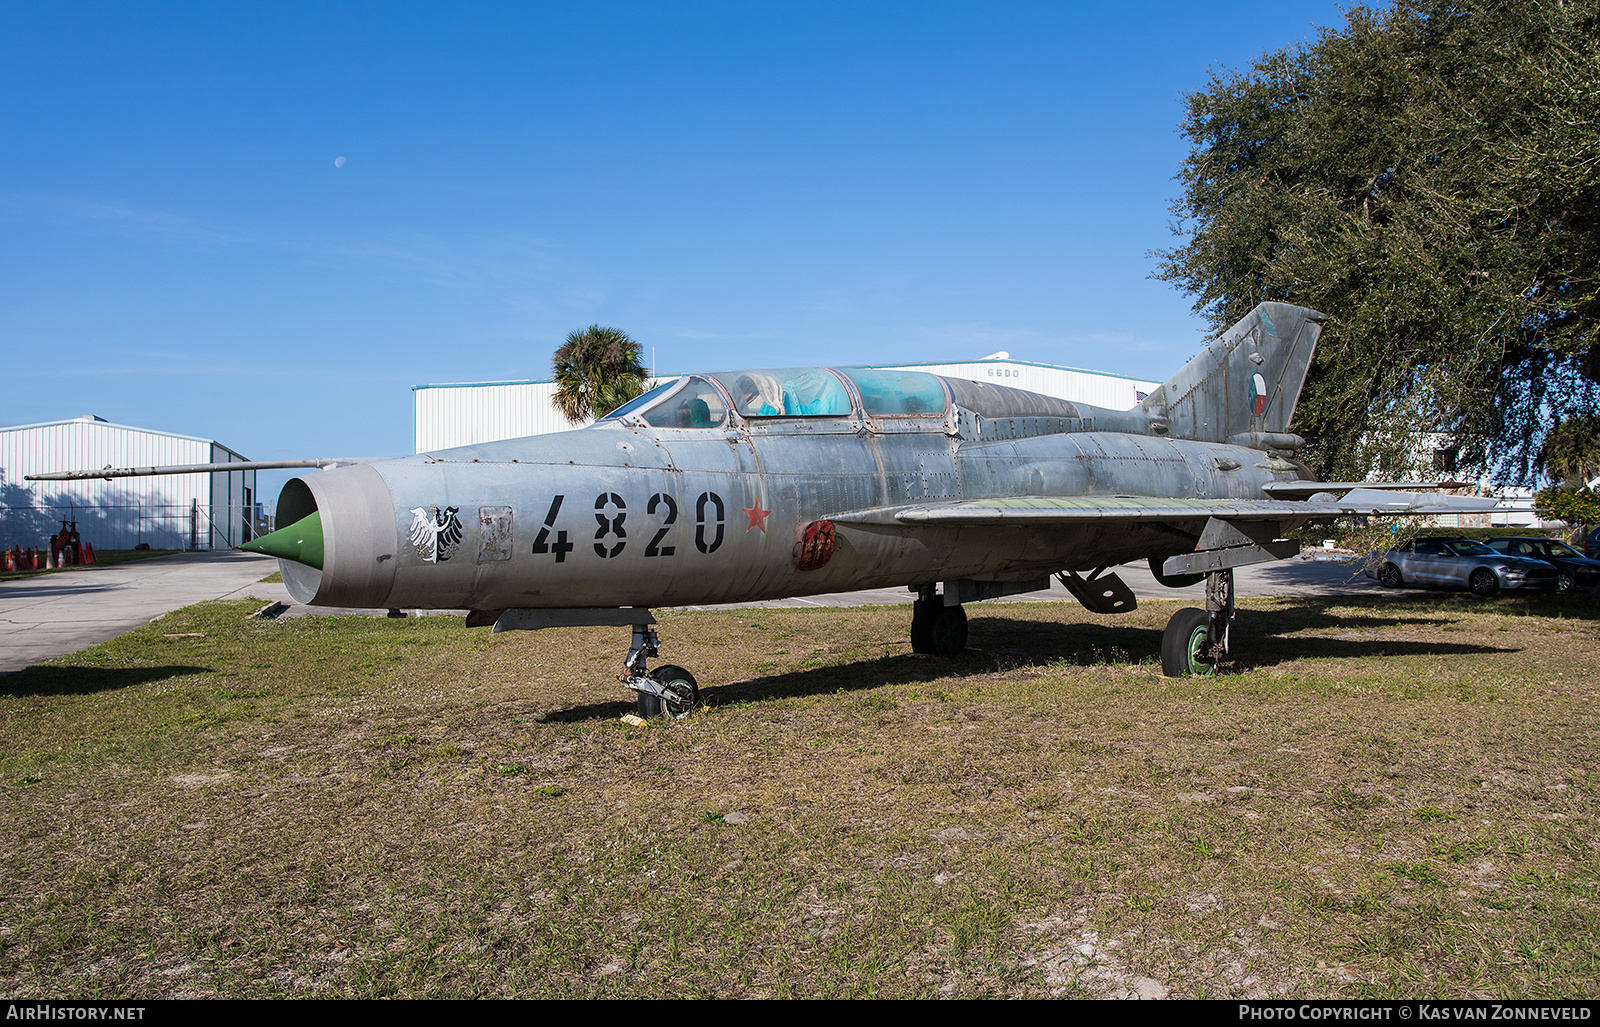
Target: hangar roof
<point>101,421</point>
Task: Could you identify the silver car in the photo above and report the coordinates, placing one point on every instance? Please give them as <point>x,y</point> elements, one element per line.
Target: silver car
<point>1461,563</point>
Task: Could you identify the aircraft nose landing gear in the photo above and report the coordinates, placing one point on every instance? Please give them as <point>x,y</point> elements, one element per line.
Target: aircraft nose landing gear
<point>666,690</point>
<point>1197,640</point>
<point>679,694</point>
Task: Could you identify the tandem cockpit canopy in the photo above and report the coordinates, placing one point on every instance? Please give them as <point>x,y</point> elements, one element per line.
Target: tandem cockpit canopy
<point>703,401</point>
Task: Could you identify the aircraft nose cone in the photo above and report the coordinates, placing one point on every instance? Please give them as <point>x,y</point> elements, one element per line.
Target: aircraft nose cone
<point>300,542</point>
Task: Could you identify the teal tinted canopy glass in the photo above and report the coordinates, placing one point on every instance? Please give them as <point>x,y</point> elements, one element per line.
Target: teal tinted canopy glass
<point>897,393</point>
<point>787,392</point>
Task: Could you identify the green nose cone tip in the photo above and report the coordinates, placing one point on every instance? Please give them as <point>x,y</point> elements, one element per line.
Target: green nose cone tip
<point>300,542</point>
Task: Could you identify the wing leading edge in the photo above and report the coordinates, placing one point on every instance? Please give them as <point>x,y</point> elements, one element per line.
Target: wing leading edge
<point>1046,510</point>
<point>1226,533</point>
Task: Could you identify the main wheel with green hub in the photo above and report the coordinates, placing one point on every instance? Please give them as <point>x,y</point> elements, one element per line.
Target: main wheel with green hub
<point>1185,643</point>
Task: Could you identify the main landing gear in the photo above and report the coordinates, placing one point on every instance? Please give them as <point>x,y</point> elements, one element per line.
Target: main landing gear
<point>668,690</point>
<point>1197,640</point>
<point>937,629</point>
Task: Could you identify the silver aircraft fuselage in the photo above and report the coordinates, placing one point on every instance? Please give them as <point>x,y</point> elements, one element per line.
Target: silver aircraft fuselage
<point>626,513</point>
<point>741,486</point>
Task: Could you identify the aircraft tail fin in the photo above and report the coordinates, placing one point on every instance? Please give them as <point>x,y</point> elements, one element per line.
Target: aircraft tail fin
<point>1243,387</point>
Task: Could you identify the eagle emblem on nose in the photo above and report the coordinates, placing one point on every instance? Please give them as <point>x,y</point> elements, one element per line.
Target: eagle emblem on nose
<point>436,535</point>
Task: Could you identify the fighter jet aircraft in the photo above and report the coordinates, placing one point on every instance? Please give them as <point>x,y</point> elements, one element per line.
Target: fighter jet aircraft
<point>738,486</point>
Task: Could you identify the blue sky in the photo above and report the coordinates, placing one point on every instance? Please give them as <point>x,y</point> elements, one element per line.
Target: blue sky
<point>749,184</point>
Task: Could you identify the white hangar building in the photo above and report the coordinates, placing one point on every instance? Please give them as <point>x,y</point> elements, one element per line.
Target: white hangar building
<point>178,511</point>
<point>469,413</point>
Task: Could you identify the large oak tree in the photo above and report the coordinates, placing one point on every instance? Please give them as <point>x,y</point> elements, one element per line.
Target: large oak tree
<point>1429,177</point>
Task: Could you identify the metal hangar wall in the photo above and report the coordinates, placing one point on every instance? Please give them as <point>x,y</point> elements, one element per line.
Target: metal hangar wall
<point>179,511</point>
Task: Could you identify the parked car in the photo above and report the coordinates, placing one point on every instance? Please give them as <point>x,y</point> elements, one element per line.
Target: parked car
<point>1573,569</point>
<point>1461,563</point>
<point>1591,545</point>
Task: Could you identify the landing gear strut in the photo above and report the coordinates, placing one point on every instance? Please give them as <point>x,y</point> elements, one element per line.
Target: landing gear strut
<point>1197,640</point>
<point>666,690</point>
<point>937,629</point>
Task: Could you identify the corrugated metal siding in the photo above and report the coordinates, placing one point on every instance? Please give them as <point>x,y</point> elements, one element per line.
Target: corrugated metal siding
<point>1110,391</point>
<point>122,512</point>
<point>464,415</point>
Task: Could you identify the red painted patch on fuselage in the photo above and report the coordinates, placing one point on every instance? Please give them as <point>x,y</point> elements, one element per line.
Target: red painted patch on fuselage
<point>815,547</point>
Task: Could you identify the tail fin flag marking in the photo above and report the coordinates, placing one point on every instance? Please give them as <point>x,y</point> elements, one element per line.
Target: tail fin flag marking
<point>1247,381</point>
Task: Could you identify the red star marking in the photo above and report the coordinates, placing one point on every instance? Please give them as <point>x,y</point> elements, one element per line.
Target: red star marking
<point>758,517</point>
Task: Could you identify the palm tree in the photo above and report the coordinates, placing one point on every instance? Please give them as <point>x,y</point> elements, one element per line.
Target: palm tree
<point>596,371</point>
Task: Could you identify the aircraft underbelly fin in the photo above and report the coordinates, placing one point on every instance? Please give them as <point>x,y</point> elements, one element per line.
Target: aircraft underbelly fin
<point>1245,384</point>
<point>1104,593</point>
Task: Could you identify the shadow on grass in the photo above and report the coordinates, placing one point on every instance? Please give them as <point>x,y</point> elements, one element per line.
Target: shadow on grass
<point>49,680</point>
<point>1583,604</point>
<point>862,674</point>
<point>1262,638</point>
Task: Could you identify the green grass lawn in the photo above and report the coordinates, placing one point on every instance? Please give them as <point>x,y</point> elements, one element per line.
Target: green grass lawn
<point>1382,797</point>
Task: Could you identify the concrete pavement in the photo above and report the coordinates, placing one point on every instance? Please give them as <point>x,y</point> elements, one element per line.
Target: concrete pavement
<point>55,614</point>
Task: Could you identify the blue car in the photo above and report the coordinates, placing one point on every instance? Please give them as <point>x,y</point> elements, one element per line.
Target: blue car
<point>1573,569</point>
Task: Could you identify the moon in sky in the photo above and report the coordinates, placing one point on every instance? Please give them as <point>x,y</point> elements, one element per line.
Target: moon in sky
<point>338,162</point>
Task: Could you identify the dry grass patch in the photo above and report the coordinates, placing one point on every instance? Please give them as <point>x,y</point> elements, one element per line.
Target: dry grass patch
<point>1382,797</point>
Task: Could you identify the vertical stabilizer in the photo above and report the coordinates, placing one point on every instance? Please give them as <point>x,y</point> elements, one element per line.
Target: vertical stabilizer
<point>1243,387</point>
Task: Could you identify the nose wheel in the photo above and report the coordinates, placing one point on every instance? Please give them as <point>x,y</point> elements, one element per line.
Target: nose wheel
<point>679,694</point>
<point>666,691</point>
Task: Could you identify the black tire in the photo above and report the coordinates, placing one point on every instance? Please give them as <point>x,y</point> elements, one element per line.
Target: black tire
<point>1186,636</point>
<point>1172,580</point>
<point>923,613</point>
<point>1483,582</point>
<point>1566,581</point>
<point>675,680</point>
<point>1389,576</point>
<point>948,636</point>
